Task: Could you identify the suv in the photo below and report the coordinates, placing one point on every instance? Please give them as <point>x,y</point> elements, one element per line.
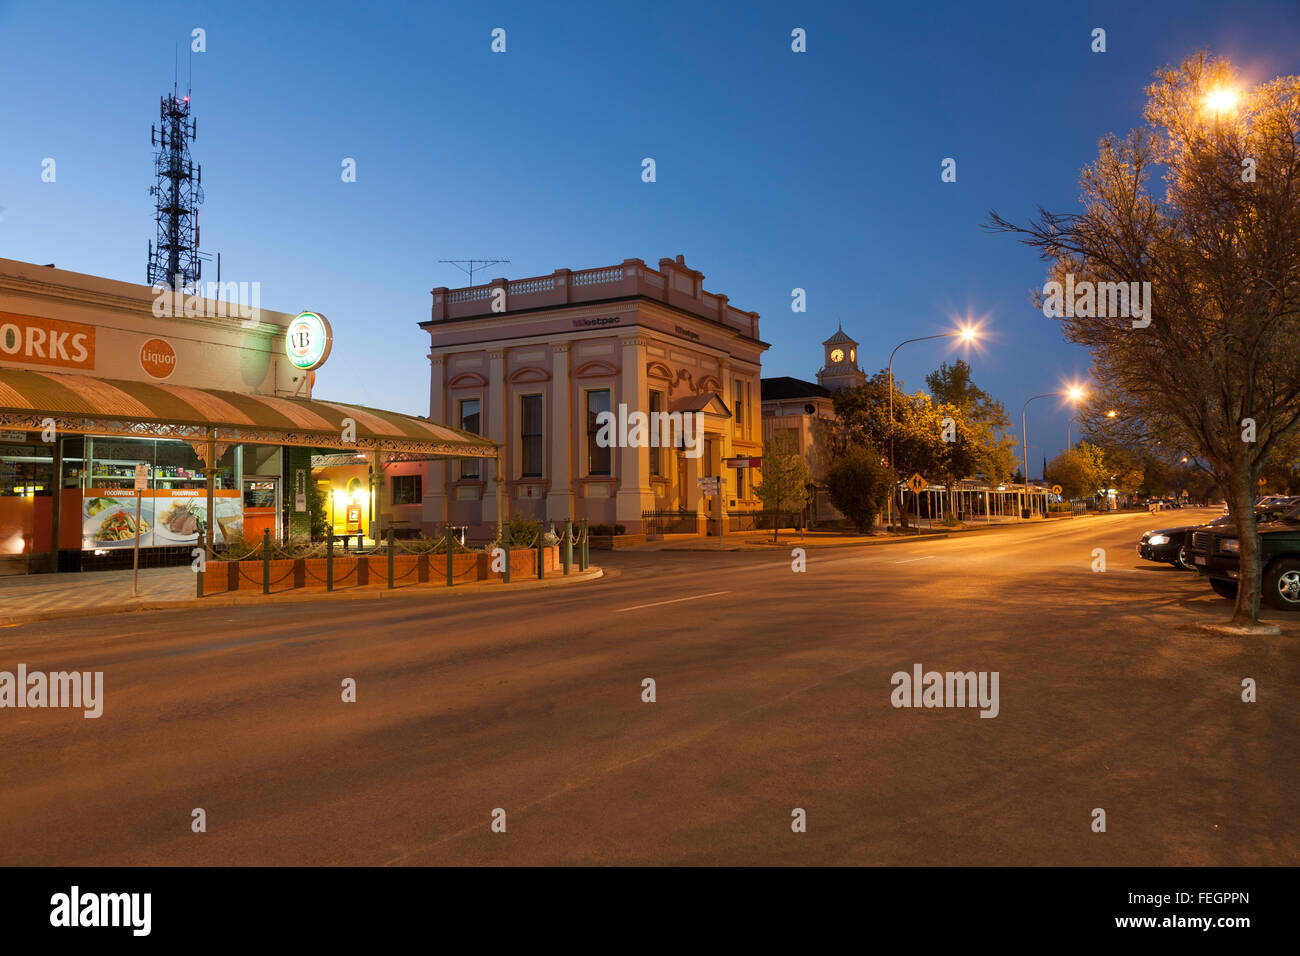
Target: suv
<point>1180,547</point>
<point>1215,551</point>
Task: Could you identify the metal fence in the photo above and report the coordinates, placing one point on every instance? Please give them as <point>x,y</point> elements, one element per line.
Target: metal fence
<point>670,522</point>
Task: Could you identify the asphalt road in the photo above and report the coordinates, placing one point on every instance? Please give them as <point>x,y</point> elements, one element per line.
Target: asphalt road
<point>773,693</point>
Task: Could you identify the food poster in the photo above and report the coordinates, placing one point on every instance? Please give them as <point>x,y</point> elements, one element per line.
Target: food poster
<point>168,518</point>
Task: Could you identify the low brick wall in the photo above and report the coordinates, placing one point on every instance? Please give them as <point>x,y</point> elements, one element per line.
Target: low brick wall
<point>612,542</point>
<point>371,571</point>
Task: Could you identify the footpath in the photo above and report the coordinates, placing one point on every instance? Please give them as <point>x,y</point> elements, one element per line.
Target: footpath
<point>26,598</point>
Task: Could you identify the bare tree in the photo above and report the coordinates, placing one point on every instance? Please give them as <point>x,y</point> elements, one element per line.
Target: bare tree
<point>1209,362</point>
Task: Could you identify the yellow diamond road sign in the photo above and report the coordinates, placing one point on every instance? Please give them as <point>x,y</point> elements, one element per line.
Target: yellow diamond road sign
<point>917,483</point>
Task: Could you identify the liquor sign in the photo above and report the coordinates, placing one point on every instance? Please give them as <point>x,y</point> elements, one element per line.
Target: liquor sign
<point>308,340</point>
<point>158,358</point>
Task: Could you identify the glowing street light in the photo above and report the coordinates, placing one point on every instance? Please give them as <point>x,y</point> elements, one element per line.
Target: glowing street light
<point>1074,393</point>
<point>968,335</point>
<point>1075,418</point>
<point>1221,100</point>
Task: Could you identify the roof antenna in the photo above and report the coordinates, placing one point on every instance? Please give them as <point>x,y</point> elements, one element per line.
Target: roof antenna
<point>470,266</point>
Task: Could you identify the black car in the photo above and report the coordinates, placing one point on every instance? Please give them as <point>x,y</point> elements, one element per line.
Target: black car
<point>1176,545</point>
<point>1218,558</point>
<point>1169,546</point>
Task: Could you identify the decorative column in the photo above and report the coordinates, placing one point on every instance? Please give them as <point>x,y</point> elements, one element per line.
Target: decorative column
<point>634,494</point>
<point>559,499</point>
<point>434,510</point>
<point>379,522</point>
<point>495,428</point>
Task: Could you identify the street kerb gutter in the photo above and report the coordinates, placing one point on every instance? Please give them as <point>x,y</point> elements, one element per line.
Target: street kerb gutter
<point>305,596</point>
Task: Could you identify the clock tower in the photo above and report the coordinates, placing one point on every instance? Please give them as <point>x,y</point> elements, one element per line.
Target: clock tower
<point>841,369</point>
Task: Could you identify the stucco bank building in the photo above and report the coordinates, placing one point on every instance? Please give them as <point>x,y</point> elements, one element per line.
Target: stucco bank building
<point>532,363</point>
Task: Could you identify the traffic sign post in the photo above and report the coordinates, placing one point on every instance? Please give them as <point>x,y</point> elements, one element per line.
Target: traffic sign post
<point>141,483</point>
<point>918,485</point>
<point>710,487</point>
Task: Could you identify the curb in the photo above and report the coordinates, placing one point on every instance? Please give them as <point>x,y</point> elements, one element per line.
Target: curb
<point>876,541</point>
<point>306,596</point>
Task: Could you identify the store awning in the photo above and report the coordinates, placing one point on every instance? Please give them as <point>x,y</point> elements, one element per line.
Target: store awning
<point>83,405</point>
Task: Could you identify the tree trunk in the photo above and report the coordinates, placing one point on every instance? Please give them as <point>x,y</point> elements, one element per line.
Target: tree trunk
<point>1248,574</point>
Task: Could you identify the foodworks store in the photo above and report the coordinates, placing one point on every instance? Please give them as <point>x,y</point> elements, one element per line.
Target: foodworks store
<point>95,382</point>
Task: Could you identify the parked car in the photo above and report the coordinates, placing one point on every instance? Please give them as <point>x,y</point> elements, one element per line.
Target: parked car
<point>1171,545</point>
<point>1217,552</point>
<point>1184,547</point>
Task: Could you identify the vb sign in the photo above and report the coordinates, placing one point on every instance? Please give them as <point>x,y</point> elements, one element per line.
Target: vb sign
<point>308,340</point>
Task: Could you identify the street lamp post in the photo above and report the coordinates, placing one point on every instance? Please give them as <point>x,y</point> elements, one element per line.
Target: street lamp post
<point>967,334</point>
<point>1074,393</point>
<point>1075,418</point>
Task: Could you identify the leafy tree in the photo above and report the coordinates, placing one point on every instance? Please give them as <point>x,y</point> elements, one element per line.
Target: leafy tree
<point>1070,470</point>
<point>983,423</point>
<point>1209,363</point>
<point>784,483</point>
<point>916,432</point>
<point>859,483</point>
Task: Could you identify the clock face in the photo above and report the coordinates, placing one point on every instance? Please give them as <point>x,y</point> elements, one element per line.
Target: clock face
<point>853,355</point>
<point>837,355</point>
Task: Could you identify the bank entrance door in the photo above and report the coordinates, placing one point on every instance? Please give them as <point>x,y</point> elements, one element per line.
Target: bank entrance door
<point>711,464</point>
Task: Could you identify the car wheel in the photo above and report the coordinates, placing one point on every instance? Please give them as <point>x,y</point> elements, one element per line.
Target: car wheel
<point>1224,589</point>
<point>1282,585</point>
<point>1184,560</point>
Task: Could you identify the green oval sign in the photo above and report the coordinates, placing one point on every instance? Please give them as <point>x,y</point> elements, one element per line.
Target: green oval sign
<point>308,339</point>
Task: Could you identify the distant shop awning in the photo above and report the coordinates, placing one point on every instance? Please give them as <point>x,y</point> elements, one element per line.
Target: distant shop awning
<point>84,405</point>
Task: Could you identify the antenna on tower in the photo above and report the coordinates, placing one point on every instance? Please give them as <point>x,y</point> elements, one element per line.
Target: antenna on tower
<point>174,256</point>
<point>470,266</point>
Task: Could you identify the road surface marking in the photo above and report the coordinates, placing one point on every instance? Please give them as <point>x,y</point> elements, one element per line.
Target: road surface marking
<point>924,557</point>
<point>693,597</point>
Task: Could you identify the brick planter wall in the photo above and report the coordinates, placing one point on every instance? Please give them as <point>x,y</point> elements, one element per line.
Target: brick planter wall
<point>371,571</point>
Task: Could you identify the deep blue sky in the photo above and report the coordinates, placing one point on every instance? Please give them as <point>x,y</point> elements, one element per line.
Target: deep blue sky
<point>775,170</point>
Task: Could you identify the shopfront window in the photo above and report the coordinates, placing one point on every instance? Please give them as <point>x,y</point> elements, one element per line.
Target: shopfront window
<point>26,493</point>
<point>173,510</point>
